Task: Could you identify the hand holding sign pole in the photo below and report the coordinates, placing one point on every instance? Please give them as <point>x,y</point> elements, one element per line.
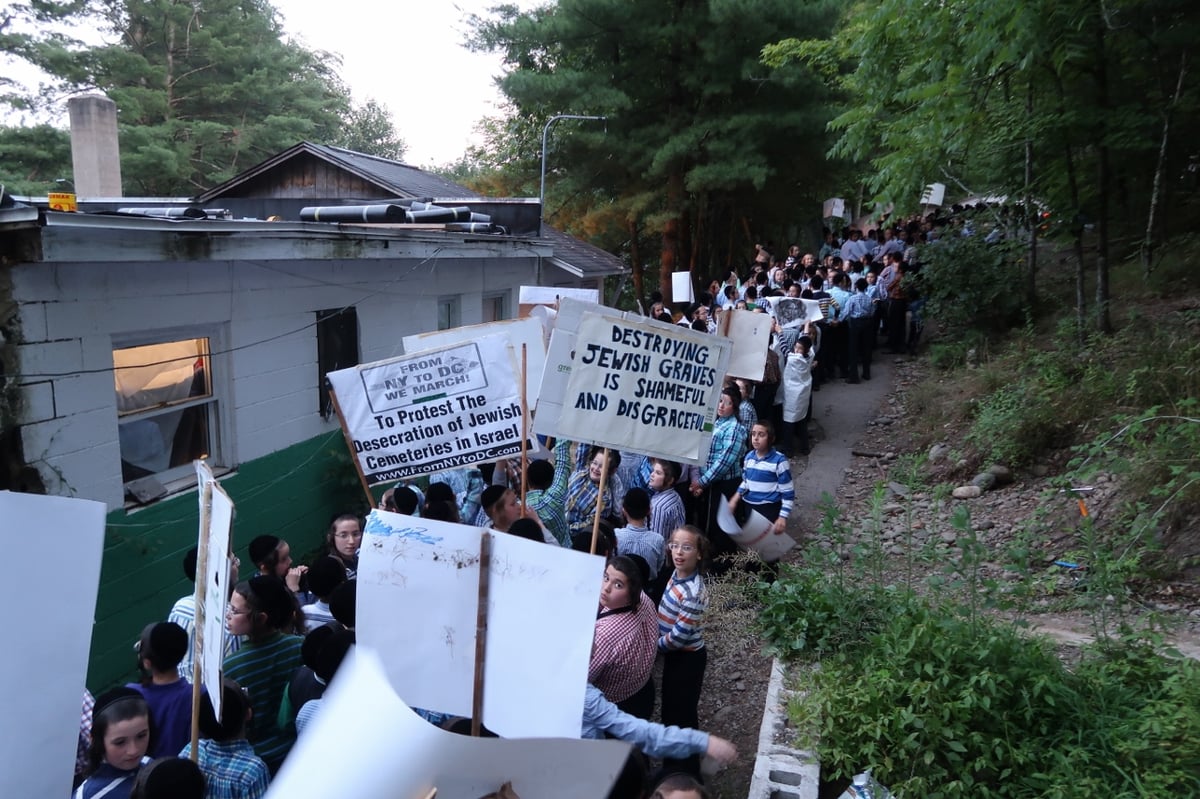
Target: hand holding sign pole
<point>599,501</point>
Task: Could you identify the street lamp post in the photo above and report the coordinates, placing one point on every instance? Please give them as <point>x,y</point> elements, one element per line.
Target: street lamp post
<point>545,132</point>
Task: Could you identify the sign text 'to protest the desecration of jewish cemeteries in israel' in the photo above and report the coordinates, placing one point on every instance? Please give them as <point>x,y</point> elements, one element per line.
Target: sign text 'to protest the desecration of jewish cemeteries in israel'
<point>432,410</point>
<point>644,386</point>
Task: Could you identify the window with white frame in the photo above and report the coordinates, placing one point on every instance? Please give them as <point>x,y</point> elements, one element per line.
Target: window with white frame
<point>495,307</point>
<point>166,408</point>
<point>449,313</point>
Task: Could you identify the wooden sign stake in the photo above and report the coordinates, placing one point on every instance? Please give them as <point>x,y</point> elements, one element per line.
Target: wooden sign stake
<point>599,501</point>
<point>481,614</point>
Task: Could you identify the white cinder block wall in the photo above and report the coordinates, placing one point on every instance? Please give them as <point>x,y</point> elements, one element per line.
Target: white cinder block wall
<point>262,312</point>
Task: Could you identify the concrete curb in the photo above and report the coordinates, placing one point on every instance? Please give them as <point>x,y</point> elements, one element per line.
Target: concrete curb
<point>781,772</point>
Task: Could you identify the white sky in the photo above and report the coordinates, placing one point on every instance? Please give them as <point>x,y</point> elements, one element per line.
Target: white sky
<point>408,56</point>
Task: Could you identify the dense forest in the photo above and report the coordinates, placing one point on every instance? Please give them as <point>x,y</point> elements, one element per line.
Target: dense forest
<point>727,122</point>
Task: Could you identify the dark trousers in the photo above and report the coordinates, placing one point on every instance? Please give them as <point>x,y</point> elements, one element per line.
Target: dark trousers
<point>719,543</point>
<point>793,436</point>
<point>834,349</point>
<point>640,704</point>
<point>683,676</point>
<point>764,399</point>
<point>859,346</point>
<point>897,325</point>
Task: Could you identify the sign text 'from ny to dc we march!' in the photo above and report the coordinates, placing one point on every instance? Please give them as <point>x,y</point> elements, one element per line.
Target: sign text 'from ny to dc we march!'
<point>432,410</point>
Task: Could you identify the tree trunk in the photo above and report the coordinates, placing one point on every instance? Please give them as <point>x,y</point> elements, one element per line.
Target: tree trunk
<point>635,263</point>
<point>1076,224</point>
<point>670,238</point>
<point>1031,274</point>
<point>1103,179</point>
<point>1159,167</point>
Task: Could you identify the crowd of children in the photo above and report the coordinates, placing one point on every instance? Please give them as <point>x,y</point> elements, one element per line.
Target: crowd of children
<point>289,625</point>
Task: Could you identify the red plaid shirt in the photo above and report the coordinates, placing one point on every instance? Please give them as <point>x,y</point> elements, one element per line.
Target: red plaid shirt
<point>623,650</point>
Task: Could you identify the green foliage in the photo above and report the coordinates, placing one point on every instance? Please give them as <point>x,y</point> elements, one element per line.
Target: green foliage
<point>972,285</point>
<point>830,603</point>
<point>368,129</point>
<point>34,158</point>
<point>943,708</point>
<point>204,89</point>
<point>698,134</point>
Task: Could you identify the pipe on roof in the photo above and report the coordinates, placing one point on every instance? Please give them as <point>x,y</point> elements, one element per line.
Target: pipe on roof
<point>353,213</point>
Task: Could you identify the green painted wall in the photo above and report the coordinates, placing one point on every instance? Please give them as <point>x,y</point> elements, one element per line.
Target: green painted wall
<point>292,493</point>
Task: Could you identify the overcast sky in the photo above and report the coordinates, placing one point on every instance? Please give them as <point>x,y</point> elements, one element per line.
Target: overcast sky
<point>408,56</point>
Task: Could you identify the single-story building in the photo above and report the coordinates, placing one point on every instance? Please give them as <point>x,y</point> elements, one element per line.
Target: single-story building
<point>134,342</point>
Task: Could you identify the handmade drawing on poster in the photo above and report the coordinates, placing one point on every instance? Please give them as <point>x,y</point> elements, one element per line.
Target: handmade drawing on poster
<point>360,706</point>
<point>793,311</point>
<point>432,410</point>
<point>541,609</point>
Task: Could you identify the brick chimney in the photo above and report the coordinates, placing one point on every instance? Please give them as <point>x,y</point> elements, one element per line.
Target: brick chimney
<point>95,155</point>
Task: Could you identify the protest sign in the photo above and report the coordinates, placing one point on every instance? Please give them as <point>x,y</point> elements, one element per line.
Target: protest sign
<point>530,297</point>
<point>432,410</point>
<point>417,602</point>
<point>750,334</point>
<point>934,194</point>
<point>395,754</point>
<point>42,675</point>
<point>212,584</point>
<point>834,208</point>
<point>644,386</point>
<point>681,287</point>
<point>553,389</point>
<point>756,534</point>
<point>516,331</point>
<point>792,311</point>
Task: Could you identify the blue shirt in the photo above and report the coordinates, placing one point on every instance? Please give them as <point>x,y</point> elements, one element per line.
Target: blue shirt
<point>859,306</point>
<point>601,716</point>
<point>768,479</point>
<point>725,457</point>
<point>643,542</point>
<point>231,769</point>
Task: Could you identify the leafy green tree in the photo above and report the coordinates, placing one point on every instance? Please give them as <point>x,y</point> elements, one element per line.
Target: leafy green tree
<point>1060,104</point>
<point>34,159</point>
<point>704,151</point>
<point>204,89</point>
<point>368,129</point>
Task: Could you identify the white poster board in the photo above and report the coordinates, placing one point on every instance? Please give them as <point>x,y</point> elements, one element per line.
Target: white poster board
<point>681,287</point>
<point>644,386</point>
<point>934,194</point>
<point>834,208</point>
<point>553,389</point>
<point>516,331</point>
<point>750,335</point>
<point>757,534</point>
<point>42,693</point>
<point>550,295</point>
<point>432,410</point>
<point>793,311</point>
<point>212,592</point>
<point>386,751</point>
<point>418,581</point>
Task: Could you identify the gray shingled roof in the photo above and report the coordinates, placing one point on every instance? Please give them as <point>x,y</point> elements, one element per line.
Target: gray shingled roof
<point>401,179</point>
<point>404,181</point>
